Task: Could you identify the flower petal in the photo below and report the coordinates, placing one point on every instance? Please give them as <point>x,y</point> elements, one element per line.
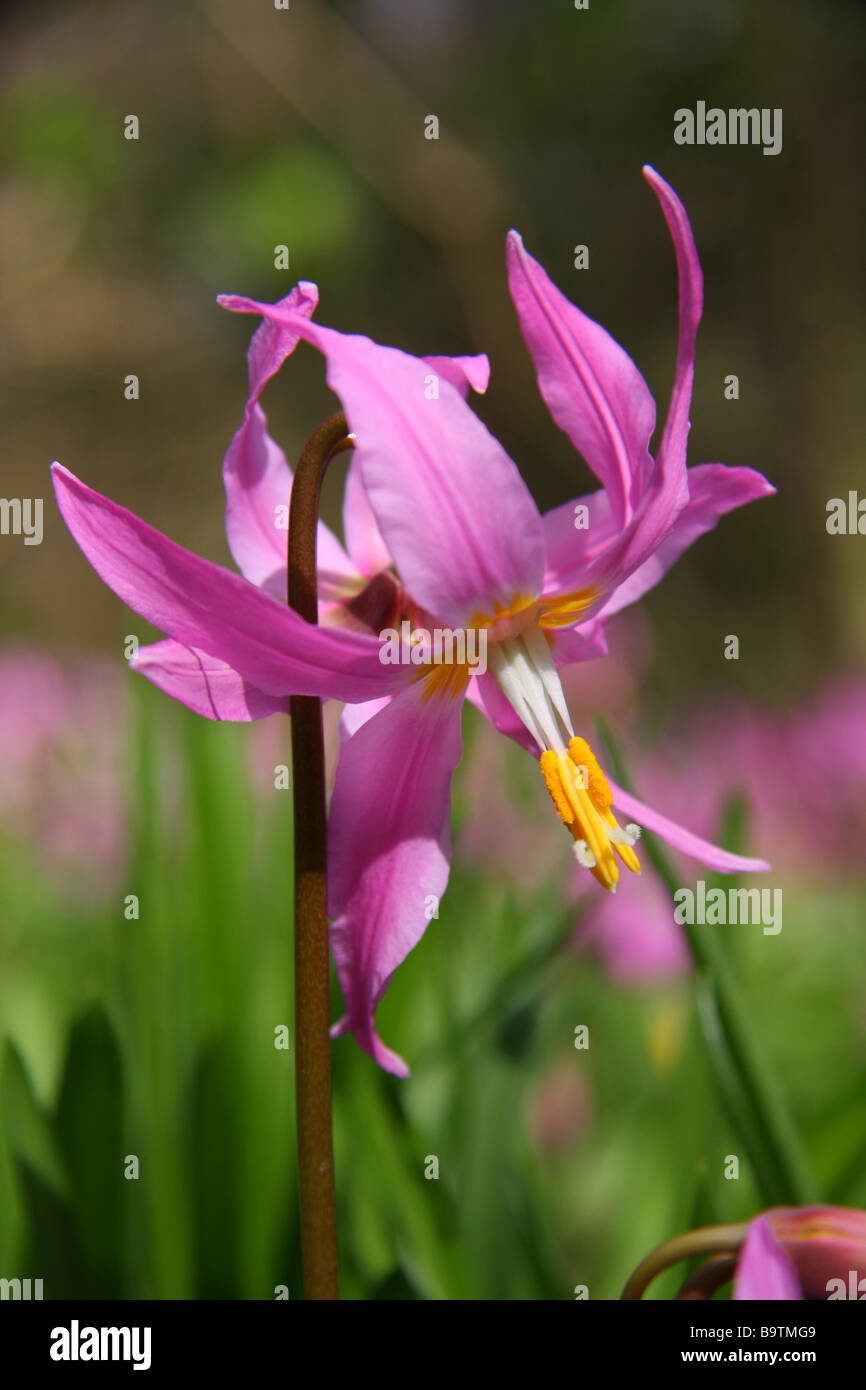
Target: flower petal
<point>463,372</point>
<point>714,489</point>
<point>583,643</point>
<point>389,834</point>
<point>452,508</point>
<point>204,606</point>
<point>671,454</point>
<point>590,385</point>
<point>665,488</point>
<point>764,1271</point>
<point>354,717</point>
<point>485,693</point>
<point>257,477</point>
<point>711,855</point>
<point>575,535</point>
<point>363,537</point>
<point>204,684</point>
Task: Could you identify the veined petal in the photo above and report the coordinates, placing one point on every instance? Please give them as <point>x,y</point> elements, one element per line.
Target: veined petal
<point>454,512</point>
<point>714,489</point>
<point>671,454</point>
<point>364,539</point>
<point>204,606</point>
<point>590,385</point>
<point>389,834</point>
<point>662,491</point>
<point>205,685</point>
<point>666,489</point>
<point>711,855</point>
<point>764,1271</point>
<point>576,534</point>
<point>258,479</point>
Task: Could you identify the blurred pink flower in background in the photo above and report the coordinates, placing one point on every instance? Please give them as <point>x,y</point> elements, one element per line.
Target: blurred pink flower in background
<point>635,934</point>
<point>808,823</point>
<point>62,734</point>
<point>559,1108</point>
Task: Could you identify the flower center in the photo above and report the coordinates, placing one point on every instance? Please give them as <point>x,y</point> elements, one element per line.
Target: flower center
<point>526,674</point>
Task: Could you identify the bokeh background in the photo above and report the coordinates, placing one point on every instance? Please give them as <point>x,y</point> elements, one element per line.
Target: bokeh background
<point>557,1167</point>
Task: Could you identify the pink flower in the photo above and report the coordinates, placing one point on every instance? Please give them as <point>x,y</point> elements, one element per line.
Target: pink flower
<point>61,748</point>
<point>635,933</point>
<point>432,494</point>
<point>803,1252</point>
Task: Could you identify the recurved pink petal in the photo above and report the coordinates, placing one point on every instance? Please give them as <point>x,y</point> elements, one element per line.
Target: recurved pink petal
<point>711,855</point>
<point>764,1271</point>
<point>714,489</point>
<point>452,508</point>
<point>590,385</point>
<point>258,479</point>
<point>204,684</point>
<point>664,490</point>
<point>389,834</point>
<point>463,372</point>
<point>671,453</point>
<point>204,606</point>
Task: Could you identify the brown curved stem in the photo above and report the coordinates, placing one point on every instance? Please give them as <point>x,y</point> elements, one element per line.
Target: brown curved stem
<point>312,963</point>
<point>708,1240</point>
<point>710,1277</point>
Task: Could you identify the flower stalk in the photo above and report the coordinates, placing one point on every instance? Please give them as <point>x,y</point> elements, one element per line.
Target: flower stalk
<point>709,1240</point>
<point>312,960</point>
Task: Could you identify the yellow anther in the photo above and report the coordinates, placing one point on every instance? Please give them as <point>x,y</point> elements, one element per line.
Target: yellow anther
<point>552,772</point>
<point>582,756</point>
<point>583,800</point>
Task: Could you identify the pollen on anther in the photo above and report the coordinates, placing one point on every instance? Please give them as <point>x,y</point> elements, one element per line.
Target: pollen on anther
<point>583,757</point>
<point>549,764</point>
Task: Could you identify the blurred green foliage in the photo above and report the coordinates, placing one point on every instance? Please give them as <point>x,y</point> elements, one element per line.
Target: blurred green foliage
<point>159,1043</point>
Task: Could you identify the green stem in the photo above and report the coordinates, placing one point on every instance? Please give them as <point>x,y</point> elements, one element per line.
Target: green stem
<point>312,961</point>
<point>792,1181</point>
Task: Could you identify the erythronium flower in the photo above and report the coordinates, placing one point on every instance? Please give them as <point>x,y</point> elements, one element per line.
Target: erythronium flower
<point>803,1252</point>
<point>443,533</point>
